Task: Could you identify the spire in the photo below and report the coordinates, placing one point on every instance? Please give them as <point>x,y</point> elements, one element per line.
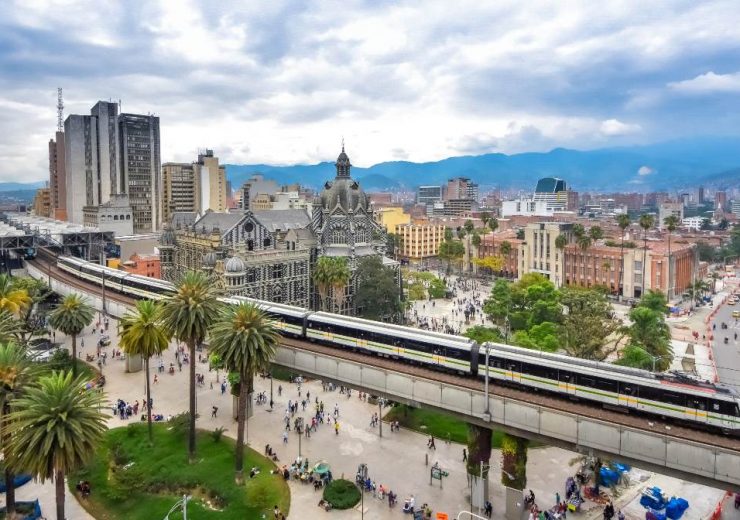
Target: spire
<point>343,165</point>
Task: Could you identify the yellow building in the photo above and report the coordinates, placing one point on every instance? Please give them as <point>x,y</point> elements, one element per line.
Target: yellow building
<point>418,241</point>
<point>261,202</point>
<point>391,217</point>
<point>42,202</point>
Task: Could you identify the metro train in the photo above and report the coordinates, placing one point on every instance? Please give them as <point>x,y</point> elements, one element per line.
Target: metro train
<point>666,395</point>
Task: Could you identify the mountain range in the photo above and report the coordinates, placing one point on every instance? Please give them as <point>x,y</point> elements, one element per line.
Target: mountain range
<point>684,163</point>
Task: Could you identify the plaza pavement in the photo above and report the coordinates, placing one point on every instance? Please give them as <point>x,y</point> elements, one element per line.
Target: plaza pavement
<point>398,460</point>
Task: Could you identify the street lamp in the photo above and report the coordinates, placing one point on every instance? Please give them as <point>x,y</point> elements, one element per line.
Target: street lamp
<point>299,431</point>
<point>271,401</point>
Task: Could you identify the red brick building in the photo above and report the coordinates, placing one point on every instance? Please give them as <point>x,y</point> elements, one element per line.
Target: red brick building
<point>144,265</point>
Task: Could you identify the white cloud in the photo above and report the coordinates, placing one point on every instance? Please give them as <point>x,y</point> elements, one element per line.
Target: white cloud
<point>615,127</point>
<point>645,170</point>
<point>708,83</point>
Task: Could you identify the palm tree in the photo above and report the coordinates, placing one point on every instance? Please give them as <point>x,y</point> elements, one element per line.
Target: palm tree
<point>578,230</point>
<point>246,340</point>
<point>671,223</point>
<point>10,328</point>
<point>584,242</point>
<point>646,222</point>
<point>56,427</point>
<point>12,298</point>
<point>476,241</point>
<point>596,233</point>
<point>340,279</point>
<point>322,277</point>
<point>15,373</point>
<point>623,221</point>
<point>493,225</point>
<point>186,315</point>
<point>37,291</point>
<point>484,218</point>
<point>560,242</point>
<point>468,227</point>
<point>71,317</point>
<point>505,252</point>
<point>142,334</point>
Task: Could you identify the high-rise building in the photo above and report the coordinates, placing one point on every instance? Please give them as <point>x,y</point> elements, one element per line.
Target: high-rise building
<point>256,185</point>
<point>140,169</point>
<point>700,197</point>
<point>107,153</point>
<point>553,191</point>
<point>57,177</point>
<point>735,207</point>
<point>461,188</point>
<point>42,203</point>
<point>720,200</point>
<point>667,209</point>
<point>194,187</point>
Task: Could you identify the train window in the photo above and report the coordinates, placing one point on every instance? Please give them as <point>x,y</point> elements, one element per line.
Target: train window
<point>677,399</point>
<point>494,362</point>
<point>715,407</point>
<point>586,381</point>
<point>514,366</point>
<point>566,377</point>
<point>607,385</point>
<point>627,389</point>
<point>697,404</point>
<point>535,370</point>
<point>726,408</point>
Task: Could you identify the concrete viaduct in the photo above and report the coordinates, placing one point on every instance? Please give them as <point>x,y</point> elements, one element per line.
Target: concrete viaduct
<point>703,463</point>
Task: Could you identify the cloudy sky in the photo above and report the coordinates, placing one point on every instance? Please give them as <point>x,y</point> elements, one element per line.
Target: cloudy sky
<point>282,82</point>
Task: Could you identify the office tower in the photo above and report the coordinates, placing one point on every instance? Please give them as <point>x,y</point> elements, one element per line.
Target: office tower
<point>57,177</point>
<point>461,188</point>
<point>720,200</point>
<point>552,191</point>
<point>107,153</point>
<point>700,198</point>
<point>140,168</point>
<point>194,187</point>
<point>257,185</point>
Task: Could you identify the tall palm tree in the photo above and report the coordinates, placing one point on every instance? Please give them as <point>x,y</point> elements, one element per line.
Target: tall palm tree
<point>596,233</point>
<point>476,241</point>
<point>142,334</point>
<point>340,279</point>
<point>560,242</point>
<point>505,249</point>
<point>671,223</point>
<point>578,230</point>
<point>584,242</point>
<point>186,315</point>
<point>246,340</point>
<point>646,222</point>
<point>15,373</point>
<point>469,227</point>
<point>484,218</point>
<point>322,277</point>
<point>623,221</point>
<point>71,317</point>
<point>12,298</point>
<point>56,426</point>
<point>493,226</point>
<point>37,291</point>
<point>10,328</point>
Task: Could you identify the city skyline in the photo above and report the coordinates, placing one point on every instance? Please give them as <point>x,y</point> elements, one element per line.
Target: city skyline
<point>283,84</point>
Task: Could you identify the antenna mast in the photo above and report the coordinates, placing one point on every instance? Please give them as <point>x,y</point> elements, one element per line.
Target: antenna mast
<point>60,111</point>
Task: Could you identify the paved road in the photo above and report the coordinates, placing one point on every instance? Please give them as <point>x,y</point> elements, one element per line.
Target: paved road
<point>727,356</point>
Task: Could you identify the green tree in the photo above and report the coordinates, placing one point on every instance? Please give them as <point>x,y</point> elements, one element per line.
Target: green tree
<point>142,334</point>
<point>71,317</point>
<point>12,298</point>
<point>481,334</point>
<point>505,248</point>
<point>331,275</point>
<point>476,241</point>
<point>393,244</point>
<point>623,221</point>
<point>186,315</point>
<point>448,234</point>
<point>646,222</point>
<point>650,332</point>
<point>493,226</point>
<point>514,461</point>
<point>377,296</point>
<point>561,241</point>
<point>707,252</point>
<point>16,373</point>
<point>671,223</point>
<point>589,326</point>
<point>543,336</point>
<point>723,224</point>
<point>655,301</point>
<point>469,226</point>
<point>596,233</point>
<point>706,224</point>
<point>578,230</point>
<point>55,428</point>
<point>484,218</point>
<point>528,302</point>
<point>636,357</point>
<point>246,340</point>
<point>10,329</point>
<point>38,291</point>
<point>451,250</point>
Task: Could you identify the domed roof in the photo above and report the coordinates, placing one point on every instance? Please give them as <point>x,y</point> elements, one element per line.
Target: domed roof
<point>235,265</point>
<point>209,259</point>
<point>343,190</point>
<point>168,237</point>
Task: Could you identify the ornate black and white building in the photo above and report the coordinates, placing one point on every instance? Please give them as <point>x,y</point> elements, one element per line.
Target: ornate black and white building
<point>344,226</point>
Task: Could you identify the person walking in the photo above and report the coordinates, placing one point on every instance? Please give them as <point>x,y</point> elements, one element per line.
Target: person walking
<point>285,436</point>
<point>336,428</point>
<point>214,412</point>
<point>465,455</point>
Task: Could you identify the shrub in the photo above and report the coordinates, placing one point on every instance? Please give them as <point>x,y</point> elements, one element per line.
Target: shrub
<point>342,494</point>
<point>181,422</point>
<point>217,434</point>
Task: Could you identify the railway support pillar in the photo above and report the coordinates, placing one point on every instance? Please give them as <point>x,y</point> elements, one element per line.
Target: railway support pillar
<point>134,363</point>
<point>478,464</point>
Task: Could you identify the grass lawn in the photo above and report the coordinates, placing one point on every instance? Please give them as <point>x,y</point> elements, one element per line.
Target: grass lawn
<point>131,480</point>
<point>440,425</point>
